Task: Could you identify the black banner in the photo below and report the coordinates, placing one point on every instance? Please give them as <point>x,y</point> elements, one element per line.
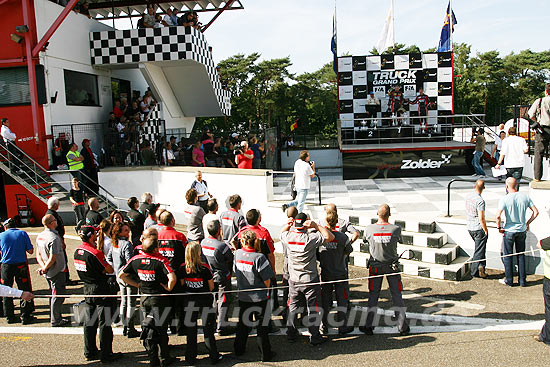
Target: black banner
<point>412,163</point>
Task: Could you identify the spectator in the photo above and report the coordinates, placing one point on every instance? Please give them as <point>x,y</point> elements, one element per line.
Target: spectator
<point>211,214</point>
<point>104,242</point>
<point>207,142</point>
<point>244,158</point>
<point>147,204</point>
<point>232,220</point>
<point>135,219</point>
<point>544,335</point>
<point>514,206</point>
<point>15,244</point>
<point>152,219</point>
<point>253,272</point>
<point>304,170</point>
<point>158,21</point>
<point>202,190</point>
<point>479,141</point>
<point>229,159</point>
<point>168,155</point>
<point>84,9</point>
<point>147,155</point>
<point>52,261</point>
<point>75,161</point>
<point>512,154</point>
<point>117,110</point>
<point>540,112</point>
<point>149,22</point>
<point>93,217</point>
<point>78,199</point>
<point>477,227</point>
<point>119,255</point>
<point>116,217</point>
<point>255,147</point>
<point>168,20</point>
<point>196,277</point>
<point>194,214</point>
<point>53,206</point>
<point>197,155</point>
<point>90,167</point>
<point>495,153</point>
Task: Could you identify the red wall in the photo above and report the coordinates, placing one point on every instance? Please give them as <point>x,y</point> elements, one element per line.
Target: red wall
<point>21,116</point>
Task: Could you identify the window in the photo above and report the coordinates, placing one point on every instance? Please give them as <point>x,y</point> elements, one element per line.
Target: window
<point>14,86</point>
<point>81,89</point>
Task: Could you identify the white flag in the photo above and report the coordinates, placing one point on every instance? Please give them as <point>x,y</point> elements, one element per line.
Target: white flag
<point>387,38</point>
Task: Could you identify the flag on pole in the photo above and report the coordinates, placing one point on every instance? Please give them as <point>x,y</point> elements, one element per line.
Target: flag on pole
<point>448,27</point>
<point>294,126</point>
<point>333,42</point>
<point>387,37</point>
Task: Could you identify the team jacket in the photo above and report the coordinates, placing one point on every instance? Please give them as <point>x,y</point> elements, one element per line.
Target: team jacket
<point>219,257</point>
<point>172,245</point>
<point>90,263</point>
<point>301,249</point>
<point>232,221</point>
<point>252,269</point>
<point>332,256</point>
<point>152,270</point>
<point>93,218</point>
<point>266,242</point>
<point>343,225</point>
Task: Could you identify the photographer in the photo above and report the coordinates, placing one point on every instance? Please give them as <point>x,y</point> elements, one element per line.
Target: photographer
<point>540,113</point>
<point>304,170</point>
<point>243,155</point>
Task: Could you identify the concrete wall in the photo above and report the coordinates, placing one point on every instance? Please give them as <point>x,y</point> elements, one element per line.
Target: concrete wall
<point>169,184</point>
<point>324,158</point>
<point>455,228</point>
<point>528,168</point>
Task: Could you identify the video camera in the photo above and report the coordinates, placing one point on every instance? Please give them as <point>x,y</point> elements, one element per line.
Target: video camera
<point>238,149</point>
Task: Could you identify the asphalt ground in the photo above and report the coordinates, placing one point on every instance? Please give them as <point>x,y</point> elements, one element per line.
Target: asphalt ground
<point>479,307</point>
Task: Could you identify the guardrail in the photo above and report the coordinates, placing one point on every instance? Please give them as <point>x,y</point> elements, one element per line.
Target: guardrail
<point>473,180</point>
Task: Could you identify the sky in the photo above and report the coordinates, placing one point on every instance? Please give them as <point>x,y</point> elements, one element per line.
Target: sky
<point>302,29</point>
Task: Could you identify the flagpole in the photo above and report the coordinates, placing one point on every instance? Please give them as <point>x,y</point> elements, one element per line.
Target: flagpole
<point>451,23</point>
<point>336,28</point>
<point>393,22</point>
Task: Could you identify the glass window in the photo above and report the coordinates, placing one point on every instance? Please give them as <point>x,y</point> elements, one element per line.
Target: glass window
<point>81,89</point>
<point>14,86</point>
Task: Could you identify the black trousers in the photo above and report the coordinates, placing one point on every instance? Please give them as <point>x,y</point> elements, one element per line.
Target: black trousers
<point>20,274</point>
<point>159,309</point>
<point>541,147</point>
<point>193,311</point>
<point>545,332</point>
<point>248,313</point>
<point>99,315</point>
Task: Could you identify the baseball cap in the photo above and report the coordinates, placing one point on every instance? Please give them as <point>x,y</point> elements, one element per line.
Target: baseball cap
<point>86,232</point>
<point>86,141</point>
<point>7,221</point>
<point>234,135</point>
<point>300,220</point>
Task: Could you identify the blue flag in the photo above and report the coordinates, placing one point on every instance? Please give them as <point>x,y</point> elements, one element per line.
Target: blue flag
<point>448,27</point>
<point>333,43</point>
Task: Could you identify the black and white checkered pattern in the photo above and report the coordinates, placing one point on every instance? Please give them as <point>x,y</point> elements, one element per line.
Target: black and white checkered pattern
<point>157,44</point>
<point>153,128</point>
<point>355,81</point>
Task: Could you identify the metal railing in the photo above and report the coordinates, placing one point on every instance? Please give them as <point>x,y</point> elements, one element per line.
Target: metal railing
<point>33,176</point>
<point>411,129</point>
<point>472,180</point>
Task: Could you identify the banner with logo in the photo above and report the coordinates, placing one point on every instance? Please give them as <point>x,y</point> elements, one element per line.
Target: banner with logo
<point>417,163</point>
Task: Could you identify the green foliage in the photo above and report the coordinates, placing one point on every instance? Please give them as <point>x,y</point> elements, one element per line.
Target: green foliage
<point>265,93</point>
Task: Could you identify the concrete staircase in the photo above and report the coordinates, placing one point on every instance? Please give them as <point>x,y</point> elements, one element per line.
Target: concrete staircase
<point>425,252</point>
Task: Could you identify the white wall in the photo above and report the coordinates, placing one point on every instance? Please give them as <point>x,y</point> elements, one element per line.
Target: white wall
<point>324,158</point>
<point>169,185</point>
<point>528,170</point>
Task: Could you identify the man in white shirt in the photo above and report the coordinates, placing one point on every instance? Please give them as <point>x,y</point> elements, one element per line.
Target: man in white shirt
<point>8,139</point>
<point>168,20</point>
<point>304,170</point>
<point>512,154</point>
<point>540,112</point>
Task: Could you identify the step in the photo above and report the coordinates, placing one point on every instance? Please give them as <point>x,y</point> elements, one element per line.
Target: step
<point>444,255</point>
<point>457,270</point>
<point>407,225</point>
<point>432,240</point>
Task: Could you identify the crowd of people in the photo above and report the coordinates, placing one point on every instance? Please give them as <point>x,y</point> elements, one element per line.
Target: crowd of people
<point>142,252</point>
<point>153,19</point>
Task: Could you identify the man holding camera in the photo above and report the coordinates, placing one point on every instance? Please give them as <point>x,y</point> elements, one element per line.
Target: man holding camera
<point>304,170</point>
<point>244,155</point>
<point>540,113</point>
